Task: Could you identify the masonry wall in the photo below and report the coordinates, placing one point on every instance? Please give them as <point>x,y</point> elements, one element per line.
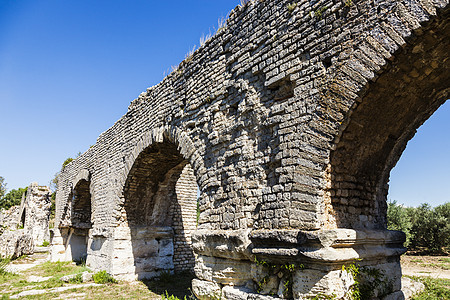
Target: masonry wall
<point>259,112</point>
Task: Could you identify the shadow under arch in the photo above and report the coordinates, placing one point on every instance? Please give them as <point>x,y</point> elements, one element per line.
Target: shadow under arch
<point>159,213</point>
<point>76,235</point>
<point>415,84</point>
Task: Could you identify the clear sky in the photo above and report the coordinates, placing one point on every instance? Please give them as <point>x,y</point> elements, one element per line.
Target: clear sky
<point>69,69</point>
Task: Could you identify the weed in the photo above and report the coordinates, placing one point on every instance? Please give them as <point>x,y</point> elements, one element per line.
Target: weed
<point>165,277</point>
<point>291,7</point>
<point>435,288</point>
<point>45,243</point>
<point>244,2</point>
<point>348,3</point>
<point>285,270</point>
<point>189,55</point>
<point>3,264</point>
<point>221,23</point>
<point>103,277</point>
<point>77,279</point>
<point>367,281</point>
<point>205,38</point>
<point>319,12</point>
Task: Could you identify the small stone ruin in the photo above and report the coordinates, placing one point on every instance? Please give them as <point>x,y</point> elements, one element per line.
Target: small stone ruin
<point>24,227</point>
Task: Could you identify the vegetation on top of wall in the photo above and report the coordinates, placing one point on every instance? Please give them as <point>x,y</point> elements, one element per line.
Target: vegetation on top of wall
<point>427,229</point>
<point>292,6</point>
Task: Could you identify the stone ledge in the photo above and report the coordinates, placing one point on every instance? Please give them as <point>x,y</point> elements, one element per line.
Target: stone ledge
<point>233,244</point>
<point>327,246</point>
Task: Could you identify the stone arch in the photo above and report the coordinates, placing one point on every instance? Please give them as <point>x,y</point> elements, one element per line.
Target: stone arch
<point>79,213</point>
<point>375,132</point>
<point>159,209</point>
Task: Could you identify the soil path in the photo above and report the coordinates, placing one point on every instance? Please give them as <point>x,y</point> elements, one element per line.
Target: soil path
<point>431,266</point>
<point>28,262</point>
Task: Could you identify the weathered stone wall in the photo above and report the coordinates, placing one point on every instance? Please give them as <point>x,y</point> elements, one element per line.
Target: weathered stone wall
<point>9,218</point>
<point>35,213</point>
<point>184,219</point>
<point>32,216</point>
<point>291,118</point>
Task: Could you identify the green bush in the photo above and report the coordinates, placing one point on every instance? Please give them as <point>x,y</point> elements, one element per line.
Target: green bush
<point>427,229</point>
<point>12,198</point>
<point>103,277</point>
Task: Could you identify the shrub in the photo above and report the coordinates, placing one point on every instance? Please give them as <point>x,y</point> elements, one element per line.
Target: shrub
<point>103,277</point>
<point>12,198</point>
<point>427,229</point>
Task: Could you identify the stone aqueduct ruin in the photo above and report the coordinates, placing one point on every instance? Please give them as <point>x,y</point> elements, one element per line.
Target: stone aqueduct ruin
<point>288,121</point>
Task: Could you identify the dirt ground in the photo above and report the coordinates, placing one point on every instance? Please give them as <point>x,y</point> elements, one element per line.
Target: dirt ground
<point>431,266</point>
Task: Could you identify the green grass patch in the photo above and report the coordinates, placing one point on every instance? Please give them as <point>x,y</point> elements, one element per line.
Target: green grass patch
<point>445,260</point>
<point>56,269</point>
<point>435,289</point>
<point>102,277</point>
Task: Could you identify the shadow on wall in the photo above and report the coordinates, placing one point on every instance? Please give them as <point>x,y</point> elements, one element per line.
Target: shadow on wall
<point>76,237</point>
<point>160,211</point>
<point>398,103</point>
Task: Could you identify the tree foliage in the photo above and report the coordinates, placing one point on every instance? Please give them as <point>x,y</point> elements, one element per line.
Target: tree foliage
<point>427,229</point>
<point>12,198</point>
<point>2,187</point>
<point>54,181</point>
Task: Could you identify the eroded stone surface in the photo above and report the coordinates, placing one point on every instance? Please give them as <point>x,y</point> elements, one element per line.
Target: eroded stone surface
<point>290,118</point>
<point>16,243</point>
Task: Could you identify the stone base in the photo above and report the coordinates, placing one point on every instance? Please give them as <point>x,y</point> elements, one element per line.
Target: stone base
<point>297,264</point>
<point>142,252</point>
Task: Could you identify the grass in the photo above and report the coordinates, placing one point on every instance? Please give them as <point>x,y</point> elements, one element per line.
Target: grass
<point>437,266</point>
<point>102,277</point>
<point>167,285</point>
<point>435,289</point>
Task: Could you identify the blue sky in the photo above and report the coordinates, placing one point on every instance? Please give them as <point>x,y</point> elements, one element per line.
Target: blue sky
<point>69,69</point>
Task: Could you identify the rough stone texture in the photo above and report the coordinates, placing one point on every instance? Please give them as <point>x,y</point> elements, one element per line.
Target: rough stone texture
<point>204,290</point>
<point>16,243</point>
<point>9,218</point>
<point>290,119</point>
<point>35,213</point>
<point>411,287</point>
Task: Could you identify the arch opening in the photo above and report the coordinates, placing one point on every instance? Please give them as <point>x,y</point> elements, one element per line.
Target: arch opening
<point>160,211</point>
<point>392,109</point>
<point>77,235</point>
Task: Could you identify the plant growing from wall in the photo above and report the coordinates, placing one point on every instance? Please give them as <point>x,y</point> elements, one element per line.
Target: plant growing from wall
<point>292,6</point>
<point>369,282</point>
<point>319,12</point>
<point>285,272</point>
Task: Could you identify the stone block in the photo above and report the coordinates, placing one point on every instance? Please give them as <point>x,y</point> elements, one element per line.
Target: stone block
<point>223,271</point>
<point>206,290</point>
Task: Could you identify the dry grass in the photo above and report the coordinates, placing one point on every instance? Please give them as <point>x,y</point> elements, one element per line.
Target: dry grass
<point>11,284</point>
